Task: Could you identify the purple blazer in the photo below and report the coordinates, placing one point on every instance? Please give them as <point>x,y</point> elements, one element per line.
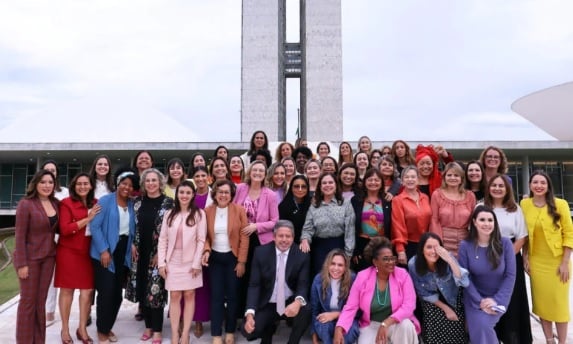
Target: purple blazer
<point>402,296</point>
<point>267,211</point>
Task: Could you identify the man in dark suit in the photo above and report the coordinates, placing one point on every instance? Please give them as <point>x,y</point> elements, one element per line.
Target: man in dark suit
<point>278,287</point>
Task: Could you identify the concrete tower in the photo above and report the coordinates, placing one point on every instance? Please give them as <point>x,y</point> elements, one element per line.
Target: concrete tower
<point>267,60</point>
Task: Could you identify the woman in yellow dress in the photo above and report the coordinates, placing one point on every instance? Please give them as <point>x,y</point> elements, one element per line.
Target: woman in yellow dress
<point>549,250</point>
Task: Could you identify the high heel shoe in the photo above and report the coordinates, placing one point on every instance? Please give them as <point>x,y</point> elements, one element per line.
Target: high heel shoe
<point>87,340</point>
<point>66,341</point>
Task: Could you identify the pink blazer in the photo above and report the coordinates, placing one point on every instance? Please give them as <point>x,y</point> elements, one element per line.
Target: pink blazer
<point>267,211</point>
<point>402,296</point>
<point>193,239</point>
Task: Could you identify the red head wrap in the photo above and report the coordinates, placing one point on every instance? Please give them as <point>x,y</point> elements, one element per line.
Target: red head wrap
<point>435,179</point>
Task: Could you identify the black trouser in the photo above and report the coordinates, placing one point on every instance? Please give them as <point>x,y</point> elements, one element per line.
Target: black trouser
<point>153,318</point>
<point>266,320</point>
<point>109,287</point>
<point>224,287</point>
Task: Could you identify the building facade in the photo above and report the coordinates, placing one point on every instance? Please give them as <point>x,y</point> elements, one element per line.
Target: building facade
<point>267,60</point>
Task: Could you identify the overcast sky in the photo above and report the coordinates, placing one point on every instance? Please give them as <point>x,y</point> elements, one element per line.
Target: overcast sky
<point>170,71</point>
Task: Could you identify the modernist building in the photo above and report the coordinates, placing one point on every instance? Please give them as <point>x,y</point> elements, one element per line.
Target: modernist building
<point>19,161</point>
<point>267,60</point>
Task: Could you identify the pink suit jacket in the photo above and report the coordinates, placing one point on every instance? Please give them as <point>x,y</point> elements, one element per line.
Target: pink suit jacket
<point>402,296</point>
<point>267,211</point>
<point>193,239</point>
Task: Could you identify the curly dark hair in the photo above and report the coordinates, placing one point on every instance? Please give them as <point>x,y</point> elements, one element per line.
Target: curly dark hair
<point>372,250</point>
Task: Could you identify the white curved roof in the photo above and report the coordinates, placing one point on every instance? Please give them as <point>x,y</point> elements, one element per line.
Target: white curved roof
<point>101,121</point>
<point>550,109</point>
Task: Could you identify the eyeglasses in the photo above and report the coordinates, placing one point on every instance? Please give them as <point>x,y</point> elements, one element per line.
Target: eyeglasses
<point>222,192</point>
<point>300,186</point>
<point>389,259</point>
<point>492,157</point>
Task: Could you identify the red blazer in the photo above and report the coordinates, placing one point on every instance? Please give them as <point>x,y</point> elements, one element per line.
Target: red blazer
<point>34,235</point>
<point>71,236</point>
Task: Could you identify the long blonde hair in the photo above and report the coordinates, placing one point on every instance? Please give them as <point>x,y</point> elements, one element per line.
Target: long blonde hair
<point>345,280</point>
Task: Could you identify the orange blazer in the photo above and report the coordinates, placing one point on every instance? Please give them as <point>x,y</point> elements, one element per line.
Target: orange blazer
<point>237,220</point>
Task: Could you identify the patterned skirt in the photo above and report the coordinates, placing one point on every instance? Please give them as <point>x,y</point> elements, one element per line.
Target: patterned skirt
<point>437,329</point>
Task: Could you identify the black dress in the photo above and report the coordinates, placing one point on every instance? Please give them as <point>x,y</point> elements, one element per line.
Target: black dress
<point>514,327</point>
<point>295,212</point>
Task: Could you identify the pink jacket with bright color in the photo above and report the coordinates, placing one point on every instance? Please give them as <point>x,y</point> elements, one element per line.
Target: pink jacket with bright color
<point>193,239</point>
<point>402,296</point>
<point>267,211</point>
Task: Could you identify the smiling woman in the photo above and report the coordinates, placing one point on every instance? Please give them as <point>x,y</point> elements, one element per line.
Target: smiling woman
<point>329,223</point>
<point>490,260</point>
<point>385,296</point>
<point>145,285</point>
<point>113,230</point>
<point>74,268</point>
<point>37,218</point>
<point>226,256</point>
<point>452,206</point>
<point>179,249</point>
<point>261,206</point>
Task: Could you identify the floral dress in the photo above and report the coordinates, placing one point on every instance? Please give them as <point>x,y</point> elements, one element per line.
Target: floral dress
<point>145,284</point>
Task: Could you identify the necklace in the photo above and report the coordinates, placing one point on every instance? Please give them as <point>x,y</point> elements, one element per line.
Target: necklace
<point>385,294</point>
<point>476,249</point>
<point>221,212</point>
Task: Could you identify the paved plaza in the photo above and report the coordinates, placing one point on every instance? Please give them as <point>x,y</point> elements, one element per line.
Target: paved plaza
<point>128,330</point>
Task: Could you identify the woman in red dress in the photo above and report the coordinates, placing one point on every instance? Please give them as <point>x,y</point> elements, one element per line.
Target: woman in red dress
<point>74,268</point>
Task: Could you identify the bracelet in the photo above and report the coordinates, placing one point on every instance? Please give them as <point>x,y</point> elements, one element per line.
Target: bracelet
<point>383,324</point>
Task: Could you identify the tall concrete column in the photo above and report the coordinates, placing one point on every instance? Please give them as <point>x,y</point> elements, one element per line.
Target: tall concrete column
<point>321,81</point>
<point>263,85</point>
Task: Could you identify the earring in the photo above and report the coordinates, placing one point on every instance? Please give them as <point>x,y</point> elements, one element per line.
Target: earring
<point>376,268</point>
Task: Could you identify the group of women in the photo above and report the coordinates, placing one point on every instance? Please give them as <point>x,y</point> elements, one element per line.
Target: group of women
<point>381,226</point>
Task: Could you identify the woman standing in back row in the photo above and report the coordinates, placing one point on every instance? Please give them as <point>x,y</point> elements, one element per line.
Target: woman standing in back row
<point>550,230</point>
<point>101,176</point>
<point>60,192</point>
<point>452,206</point>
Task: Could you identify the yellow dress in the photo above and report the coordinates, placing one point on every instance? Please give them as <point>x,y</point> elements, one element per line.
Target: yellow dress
<point>550,297</point>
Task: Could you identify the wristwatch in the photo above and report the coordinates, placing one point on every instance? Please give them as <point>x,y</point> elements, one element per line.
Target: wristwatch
<point>301,300</point>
